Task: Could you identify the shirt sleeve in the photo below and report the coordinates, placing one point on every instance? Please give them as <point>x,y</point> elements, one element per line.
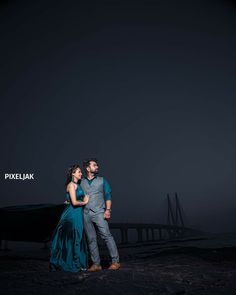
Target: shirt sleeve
<point>107,190</point>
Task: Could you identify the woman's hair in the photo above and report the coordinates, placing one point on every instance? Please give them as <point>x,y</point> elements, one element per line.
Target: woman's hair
<point>71,170</point>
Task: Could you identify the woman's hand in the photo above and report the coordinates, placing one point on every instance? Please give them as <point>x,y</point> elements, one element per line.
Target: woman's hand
<point>86,199</point>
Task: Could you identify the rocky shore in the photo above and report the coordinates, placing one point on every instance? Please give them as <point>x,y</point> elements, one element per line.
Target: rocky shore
<point>177,269</point>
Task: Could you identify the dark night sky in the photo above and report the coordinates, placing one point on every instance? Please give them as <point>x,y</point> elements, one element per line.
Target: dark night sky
<point>146,87</point>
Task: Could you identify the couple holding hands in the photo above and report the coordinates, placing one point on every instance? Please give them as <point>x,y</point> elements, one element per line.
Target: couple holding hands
<point>88,202</point>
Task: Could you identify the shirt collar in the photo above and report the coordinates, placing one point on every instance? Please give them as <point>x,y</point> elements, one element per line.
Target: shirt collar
<point>95,176</point>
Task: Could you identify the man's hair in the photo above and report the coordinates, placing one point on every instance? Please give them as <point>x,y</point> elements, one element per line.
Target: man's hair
<point>86,163</point>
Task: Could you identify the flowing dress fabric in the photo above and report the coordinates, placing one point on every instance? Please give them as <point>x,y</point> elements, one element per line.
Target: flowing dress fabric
<point>69,250</point>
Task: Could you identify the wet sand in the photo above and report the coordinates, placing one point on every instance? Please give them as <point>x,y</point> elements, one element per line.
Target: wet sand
<point>190,267</point>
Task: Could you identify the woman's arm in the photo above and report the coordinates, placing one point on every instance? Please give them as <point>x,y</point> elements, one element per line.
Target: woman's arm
<point>71,190</point>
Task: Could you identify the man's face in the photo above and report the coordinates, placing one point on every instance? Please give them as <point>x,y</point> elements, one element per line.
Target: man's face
<point>93,167</point>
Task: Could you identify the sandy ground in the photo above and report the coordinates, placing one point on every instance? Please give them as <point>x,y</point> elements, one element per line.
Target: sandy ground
<point>179,268</point>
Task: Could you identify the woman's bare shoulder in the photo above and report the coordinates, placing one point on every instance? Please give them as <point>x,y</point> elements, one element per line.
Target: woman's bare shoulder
<point>71,185</point>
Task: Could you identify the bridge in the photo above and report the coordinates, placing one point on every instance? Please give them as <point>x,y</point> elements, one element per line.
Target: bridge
<point>147,232</point>
<point>35,223</point>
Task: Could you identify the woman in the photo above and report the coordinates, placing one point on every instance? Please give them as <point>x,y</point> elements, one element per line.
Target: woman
<point>68,248</point>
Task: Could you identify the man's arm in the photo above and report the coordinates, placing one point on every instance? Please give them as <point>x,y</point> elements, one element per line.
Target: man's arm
<point>107,197</point>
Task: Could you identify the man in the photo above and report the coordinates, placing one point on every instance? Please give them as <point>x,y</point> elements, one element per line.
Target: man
<point>98,212</point>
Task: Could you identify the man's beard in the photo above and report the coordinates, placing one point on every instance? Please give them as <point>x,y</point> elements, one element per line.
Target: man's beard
<point>95,172</point>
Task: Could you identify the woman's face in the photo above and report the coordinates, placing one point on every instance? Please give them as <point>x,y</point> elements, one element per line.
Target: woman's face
<point>78,174</point>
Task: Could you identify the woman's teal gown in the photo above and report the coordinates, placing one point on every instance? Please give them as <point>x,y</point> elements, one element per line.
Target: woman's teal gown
<point>69,250</point>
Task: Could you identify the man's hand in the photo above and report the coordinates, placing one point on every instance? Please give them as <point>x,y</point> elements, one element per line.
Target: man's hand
<point>107,214</point>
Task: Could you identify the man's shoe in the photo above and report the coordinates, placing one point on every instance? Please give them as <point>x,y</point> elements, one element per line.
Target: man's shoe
<point>114,266</point>
<point>95,267</point>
